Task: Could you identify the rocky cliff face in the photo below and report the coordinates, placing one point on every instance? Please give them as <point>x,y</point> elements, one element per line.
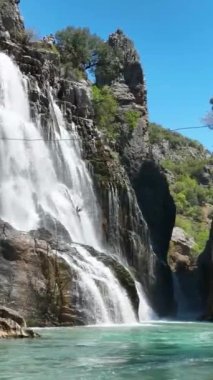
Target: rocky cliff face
<point>11,23</point>
<point>147,179</point>
<point>34,281</point>
<point>137,209</point>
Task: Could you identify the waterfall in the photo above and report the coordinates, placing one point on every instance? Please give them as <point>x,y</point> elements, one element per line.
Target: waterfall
<point>114,209</point>
<point>49,178</point>
<point>145,311</point>
<point>104,299</point>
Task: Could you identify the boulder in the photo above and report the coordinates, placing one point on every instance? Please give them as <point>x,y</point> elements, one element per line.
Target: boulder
<point>180,256</point>
<point>7,313</point>
<point>13,325</point>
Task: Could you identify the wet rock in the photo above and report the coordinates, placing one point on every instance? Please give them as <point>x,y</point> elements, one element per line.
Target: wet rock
<point>47,222</point>
<point>34,279</point>
<point>7,313</point>
<point>13,325</point>
<point>123,275</point>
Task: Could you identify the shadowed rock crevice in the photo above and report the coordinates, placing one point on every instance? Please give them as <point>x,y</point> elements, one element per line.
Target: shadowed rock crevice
<point>157,206</point>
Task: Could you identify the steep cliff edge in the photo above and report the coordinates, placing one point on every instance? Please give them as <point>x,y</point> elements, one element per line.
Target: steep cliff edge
<point>11,23</point>
<point>137,209</point>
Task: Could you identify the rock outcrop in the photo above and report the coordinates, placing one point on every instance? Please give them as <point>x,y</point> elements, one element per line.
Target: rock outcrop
<point>34,280</point>
<point>129,88</point>
<point>13,325</point>
<point>37,281</point>
<point>11,23</point>
<point>145,175</point>
<point>180,250</point>
<point>185,275</point>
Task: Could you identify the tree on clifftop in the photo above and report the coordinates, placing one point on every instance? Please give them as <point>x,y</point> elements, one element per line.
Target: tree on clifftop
<point>86,51</point>
<point>78,46</point>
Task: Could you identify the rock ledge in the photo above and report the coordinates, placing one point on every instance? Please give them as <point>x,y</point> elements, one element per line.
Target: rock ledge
<point>12,325</point>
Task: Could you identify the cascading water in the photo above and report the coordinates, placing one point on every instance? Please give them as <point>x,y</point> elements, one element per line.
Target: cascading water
<point>104,300</point>
<point>114,220</point>
<point>40,179</point>
<point>145,311</point>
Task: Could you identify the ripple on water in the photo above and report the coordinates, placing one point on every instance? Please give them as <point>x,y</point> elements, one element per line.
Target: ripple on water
<point>153,351</point>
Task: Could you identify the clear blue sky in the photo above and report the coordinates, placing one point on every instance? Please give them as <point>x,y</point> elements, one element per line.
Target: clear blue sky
<point>173,37</point>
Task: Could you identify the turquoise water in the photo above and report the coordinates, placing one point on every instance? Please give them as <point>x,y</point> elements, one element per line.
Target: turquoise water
<point>161,351</point>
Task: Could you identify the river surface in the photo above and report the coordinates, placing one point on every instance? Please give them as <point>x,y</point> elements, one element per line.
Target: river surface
<point>160,351</point>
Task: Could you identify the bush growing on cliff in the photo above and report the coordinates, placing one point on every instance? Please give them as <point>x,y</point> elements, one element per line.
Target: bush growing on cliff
<point>190,198</point>
<point>131,118</point>
<point>186,189</point>
<point>187,169</point>
<point>157,133</point>
<point>105,109</point>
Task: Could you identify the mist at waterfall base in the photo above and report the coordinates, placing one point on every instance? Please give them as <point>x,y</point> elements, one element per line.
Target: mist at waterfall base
<point>47,179</point>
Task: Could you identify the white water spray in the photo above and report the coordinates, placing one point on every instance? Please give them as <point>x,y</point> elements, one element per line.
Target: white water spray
<point>145,311</point>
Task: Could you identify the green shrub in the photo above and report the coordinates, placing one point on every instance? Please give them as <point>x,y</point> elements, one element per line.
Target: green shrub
<point>157,133</point>
<point>105,109</point>
<point>131,118</point>
<point>186,190</point>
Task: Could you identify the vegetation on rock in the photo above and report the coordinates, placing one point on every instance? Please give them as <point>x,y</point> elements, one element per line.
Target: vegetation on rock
<point>105,109</point>
<point>185,162</point>
<point>132,117</point>
<point>82,50</point>
<point>157,134</point>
